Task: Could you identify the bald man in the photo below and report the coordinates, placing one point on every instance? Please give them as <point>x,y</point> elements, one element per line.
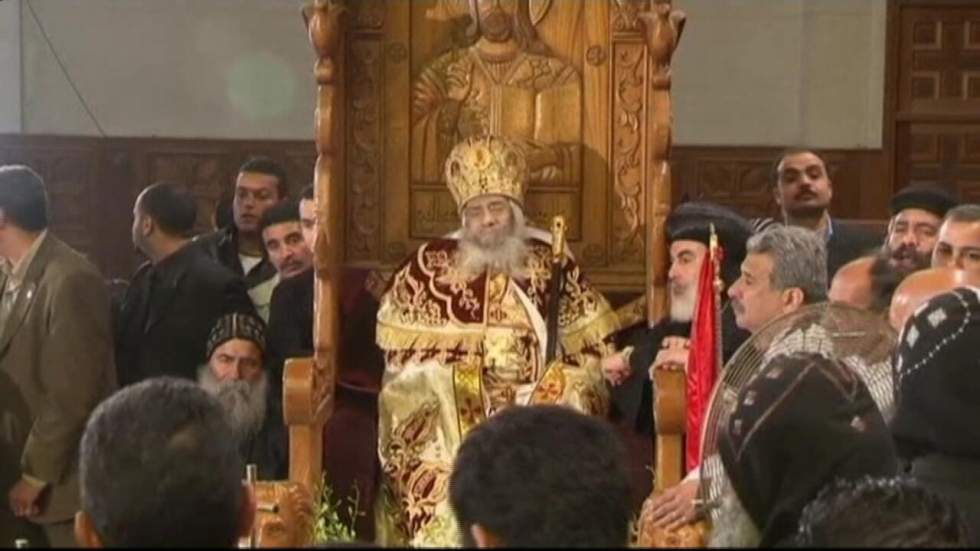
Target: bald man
<point>867,282</point>
<point>921,286</point>
<point>958,245</point>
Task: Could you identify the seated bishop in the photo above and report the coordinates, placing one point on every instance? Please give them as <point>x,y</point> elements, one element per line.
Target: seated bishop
<point>463,326</point>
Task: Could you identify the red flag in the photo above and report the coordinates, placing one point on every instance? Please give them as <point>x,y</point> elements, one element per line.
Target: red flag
<point>704,359</point>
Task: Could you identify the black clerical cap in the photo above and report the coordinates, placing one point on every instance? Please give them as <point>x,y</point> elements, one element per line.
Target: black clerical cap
<point>236,326</point>
<point>691,221</point>
<point>928,197</point>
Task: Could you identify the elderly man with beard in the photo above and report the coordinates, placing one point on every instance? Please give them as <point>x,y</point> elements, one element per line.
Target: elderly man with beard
<point>688,231</point>
<point>463,328</point>
<point>235,376</point>
<point>917,213</point>
<point>785,268</point>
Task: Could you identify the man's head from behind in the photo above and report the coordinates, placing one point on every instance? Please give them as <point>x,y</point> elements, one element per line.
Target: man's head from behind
<point>160,468</point>
<point>282,237</point>
<point>880,512</point>
<point>867,282</point>
<point>959,240</point>
<point>163,211</point>
<point>917,213</point>
<point>23,200</point>
<point>785,268</point>
<point>802,184</point>
<point>916,289</point>
<point>261,183</point>
<point>541,476</point>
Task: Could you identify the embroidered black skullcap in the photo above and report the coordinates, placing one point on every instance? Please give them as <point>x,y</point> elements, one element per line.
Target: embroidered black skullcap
<point>802,422</point>
<point>928,197</point>
<point>691,221</point>
<point>938,378</point>
<point>237,326</point>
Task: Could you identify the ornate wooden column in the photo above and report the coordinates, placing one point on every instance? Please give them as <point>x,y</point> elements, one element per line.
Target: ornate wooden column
<point>308,387</point>
<point>662,31</point>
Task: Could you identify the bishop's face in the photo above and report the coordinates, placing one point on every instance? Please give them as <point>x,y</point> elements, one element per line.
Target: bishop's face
<point>488,220</point>
<point>686,258</point>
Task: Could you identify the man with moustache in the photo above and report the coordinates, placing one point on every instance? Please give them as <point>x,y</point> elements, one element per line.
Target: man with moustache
<point>285,248</point>
<point>260,184</point>
<point>784,269</point>
<point>803,191</point>
<point>628,371</point>
<point>234,374</point>
<point>463,327</point>
<point>351,461</point>
<point>917,214</point>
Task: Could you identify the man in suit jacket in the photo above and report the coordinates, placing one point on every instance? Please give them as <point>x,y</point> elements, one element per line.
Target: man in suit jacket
<point>803,191</point>
<point>55,364</point>
<point>175,299</point>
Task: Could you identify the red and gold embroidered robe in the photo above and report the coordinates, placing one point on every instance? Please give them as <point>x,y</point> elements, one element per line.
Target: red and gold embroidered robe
<point>460,349</point>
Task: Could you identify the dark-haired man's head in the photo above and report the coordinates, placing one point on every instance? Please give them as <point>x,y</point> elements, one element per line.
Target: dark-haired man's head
<point>917,212</point>
<point>802,189</point>
<point>307,215</point>
<point>160,468</point>
<point>541,476</point>
<point>282,237</point>
<point>163,219</point>
<point>261,183</point>
<point>958,245</point>
<point>23,205</point>
<point>880,512</point>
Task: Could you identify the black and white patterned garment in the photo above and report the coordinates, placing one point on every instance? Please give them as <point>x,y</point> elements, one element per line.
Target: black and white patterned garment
<point>937,377</point>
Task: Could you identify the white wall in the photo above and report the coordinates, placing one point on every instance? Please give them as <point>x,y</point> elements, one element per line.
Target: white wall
<point>748,72</point>
<point>765,72</point>
<point>10,66</point>
<point>176,68</point>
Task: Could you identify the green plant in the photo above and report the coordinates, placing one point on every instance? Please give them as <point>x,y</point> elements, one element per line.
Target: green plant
<point>329,526</point>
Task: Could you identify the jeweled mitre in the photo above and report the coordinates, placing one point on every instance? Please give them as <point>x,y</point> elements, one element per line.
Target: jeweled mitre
<point>485,165</point>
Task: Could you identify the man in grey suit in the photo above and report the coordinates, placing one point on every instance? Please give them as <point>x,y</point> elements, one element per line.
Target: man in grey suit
<point>55,364</point>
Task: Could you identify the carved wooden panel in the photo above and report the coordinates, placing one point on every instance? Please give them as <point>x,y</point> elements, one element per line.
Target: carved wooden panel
<point>69,171</point>
<point>948,154</point>
<point>939,57</point>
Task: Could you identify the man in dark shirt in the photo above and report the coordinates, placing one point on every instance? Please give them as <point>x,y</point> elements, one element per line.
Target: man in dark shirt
<point>351,461</point>
<point>803,191</point>
<point>175,298</point>
<point>261,183</point>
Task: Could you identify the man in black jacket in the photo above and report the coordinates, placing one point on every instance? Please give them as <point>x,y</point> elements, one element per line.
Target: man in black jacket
<point>803,191</point>
<point>628,371</point>
<point>261,183</point>
<point>352,460</point>
<point>174,299</point>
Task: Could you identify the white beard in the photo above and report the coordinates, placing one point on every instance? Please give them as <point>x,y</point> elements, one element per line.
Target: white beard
<point>244,402</point>
<point>732,526</point>
<point>682,304</point>
<point>506,254</point>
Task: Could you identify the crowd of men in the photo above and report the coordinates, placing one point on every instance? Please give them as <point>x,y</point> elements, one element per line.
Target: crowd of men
<point>109,413</point>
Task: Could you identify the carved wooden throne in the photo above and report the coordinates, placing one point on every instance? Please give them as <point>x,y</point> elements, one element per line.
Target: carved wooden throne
<point>584,88</point>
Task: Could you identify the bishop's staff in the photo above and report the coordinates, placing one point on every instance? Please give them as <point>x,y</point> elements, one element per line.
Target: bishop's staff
<point>555,286</point>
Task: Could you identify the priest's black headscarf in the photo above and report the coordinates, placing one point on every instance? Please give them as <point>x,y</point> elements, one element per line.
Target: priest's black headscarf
<point>928,197</point>
<point>802,422</point>
<point>937,385</point>
<point>692,221</point>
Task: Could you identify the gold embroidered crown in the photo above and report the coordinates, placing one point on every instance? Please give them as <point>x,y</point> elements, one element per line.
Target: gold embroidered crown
<point>485,165</point>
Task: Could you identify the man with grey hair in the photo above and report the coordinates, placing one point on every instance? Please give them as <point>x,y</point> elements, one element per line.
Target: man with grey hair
<point>785,268</point>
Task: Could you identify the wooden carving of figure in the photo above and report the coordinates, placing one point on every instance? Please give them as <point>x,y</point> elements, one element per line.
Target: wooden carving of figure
<point>506,83</point>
